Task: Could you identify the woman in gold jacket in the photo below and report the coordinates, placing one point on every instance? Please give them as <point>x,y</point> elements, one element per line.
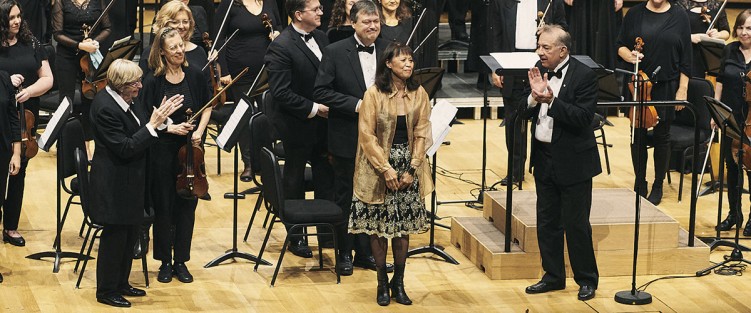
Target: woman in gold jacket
<point>391,175</point>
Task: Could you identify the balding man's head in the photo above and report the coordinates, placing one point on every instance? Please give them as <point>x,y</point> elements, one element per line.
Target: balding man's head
<point>553,45</point>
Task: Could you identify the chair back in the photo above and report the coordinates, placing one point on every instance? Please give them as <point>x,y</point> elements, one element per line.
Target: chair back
<point>260,137</point>
<point>697,89</point>
<point>71,137</point>
<point>82,172</point>
<point>271,179</point>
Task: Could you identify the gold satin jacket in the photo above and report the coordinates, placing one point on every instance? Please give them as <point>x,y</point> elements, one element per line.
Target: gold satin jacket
<point>376,128</point>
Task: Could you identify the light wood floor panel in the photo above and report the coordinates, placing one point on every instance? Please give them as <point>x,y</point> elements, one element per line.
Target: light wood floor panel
<point>434,286</point>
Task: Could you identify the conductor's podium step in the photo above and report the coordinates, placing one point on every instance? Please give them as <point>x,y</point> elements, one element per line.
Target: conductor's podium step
<point>663,245</point>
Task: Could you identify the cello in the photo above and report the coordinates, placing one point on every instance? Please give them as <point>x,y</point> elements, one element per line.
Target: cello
<point>29,146</point>
<point>641,89</point>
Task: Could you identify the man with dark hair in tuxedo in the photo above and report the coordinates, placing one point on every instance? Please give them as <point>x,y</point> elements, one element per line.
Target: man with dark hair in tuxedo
<point>561,103</point>
<point>348,69</point>
<point>512,27</point>
<point>292,61</point>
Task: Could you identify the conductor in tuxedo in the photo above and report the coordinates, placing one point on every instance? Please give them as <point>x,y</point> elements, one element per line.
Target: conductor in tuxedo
<point>512,27</point>
<point>122,134</point>
<point>292,62</point>
<point>564,156</point>
<point>347,69</point>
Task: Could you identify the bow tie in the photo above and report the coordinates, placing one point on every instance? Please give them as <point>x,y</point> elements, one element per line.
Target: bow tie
<point>306,37</point>
<point>361,48</point>
<point>558,74</point>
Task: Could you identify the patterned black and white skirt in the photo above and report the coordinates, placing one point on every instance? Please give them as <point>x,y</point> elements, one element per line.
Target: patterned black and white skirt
<point>402,212</point>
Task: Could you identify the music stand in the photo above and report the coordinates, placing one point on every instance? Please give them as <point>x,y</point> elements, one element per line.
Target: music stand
<point>260,83</point>
<point>122,49</point>
<point>711,54</point>
<point>430,80</point>
<point>723,116</point>
<point>227,139</point>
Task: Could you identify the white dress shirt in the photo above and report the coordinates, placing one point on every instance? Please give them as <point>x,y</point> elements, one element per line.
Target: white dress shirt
<point>544,127</point>
<point>368,64</point>
<point>526,24</point>
<point>313,46</point>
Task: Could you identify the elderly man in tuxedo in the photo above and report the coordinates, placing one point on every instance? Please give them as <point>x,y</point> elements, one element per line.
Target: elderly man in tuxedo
<point>561,103</point>
<point>347,69</point>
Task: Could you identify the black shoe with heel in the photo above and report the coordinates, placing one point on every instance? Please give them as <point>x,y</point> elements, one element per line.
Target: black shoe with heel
<point>16,241</point>
<point>747,229</point>
<point>728,223</point>
<point>397,286</point>
<point>382,295</point>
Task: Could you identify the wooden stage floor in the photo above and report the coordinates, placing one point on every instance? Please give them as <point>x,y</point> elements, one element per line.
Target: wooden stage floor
<point>434,285</point>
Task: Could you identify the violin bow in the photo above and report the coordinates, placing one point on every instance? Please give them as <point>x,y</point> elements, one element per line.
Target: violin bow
<point>99,20</point>
<point>422,14</point>
<point>221,27</point>
<point>220,49</point>
<point>722,7</point>
<point>208,104</point>
<point>426,39</point>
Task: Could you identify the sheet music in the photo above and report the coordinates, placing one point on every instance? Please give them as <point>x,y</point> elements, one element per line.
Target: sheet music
<point>232,123</point>
<point>440,119</point>
<point>52,125</point>
<point>516,60</point>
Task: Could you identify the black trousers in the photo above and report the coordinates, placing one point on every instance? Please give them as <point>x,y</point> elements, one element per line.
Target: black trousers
<point>344,172</point>
<point>510,111</point>
<point>67,75</point>
<point>660,135</point>
<point>115,259</point>
<point>457,10</point>
<point>14,197</point>
<point>4,162</point>
<point>564,209</point>
<point>174,217</point>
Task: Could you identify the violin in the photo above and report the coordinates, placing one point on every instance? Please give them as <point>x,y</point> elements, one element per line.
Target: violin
<point>268,25</point>
<point>191,180</point>
<point>29,146</point>
<point>90,86</point>
<point>746,129</point>
<point>705,17</point>
<point>641,89</point>
<point>216,84</point>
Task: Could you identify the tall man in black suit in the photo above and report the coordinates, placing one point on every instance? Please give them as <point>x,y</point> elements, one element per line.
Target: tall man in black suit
<point>347,69</point>
<point>292,61</point>
<point>561,104</point>
<point>123,133</point>
<point>512,26</point>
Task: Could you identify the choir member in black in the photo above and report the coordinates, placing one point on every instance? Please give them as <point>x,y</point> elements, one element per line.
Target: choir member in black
<point>174,216</point>
<point>177,15</point>
<point>292,61</point>
<point>68,17</point>
<point>246,49</point>
<point>22,56</point>
<point>665,31</point>
<point>397,21</point>
<point>730,89</point>
<point>593,28</point>
<point>123,133</point>
<point>699,28</point>
<point>478,42</point>
<point>10,134</point>
<point>512,28</point>
<point>340,26</point>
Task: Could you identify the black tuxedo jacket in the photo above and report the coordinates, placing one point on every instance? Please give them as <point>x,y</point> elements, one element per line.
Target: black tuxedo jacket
<point>574,150</point>
<point>340,85</point>
<point>118,169</point>
<point>292,69</point>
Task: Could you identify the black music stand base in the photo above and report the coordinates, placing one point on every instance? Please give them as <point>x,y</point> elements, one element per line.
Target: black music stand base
<point>232,254</point>
<point>434,250</point>
<point>633,297</point>
<point>58,256</point>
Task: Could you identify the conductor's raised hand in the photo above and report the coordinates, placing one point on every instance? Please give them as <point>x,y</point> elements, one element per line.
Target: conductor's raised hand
<point>537,81</point>
<point>172,104</point>
<point>392,180</point>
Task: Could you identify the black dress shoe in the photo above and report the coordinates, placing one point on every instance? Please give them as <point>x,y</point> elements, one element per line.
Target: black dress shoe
<point>131,291</point>
<point>300,249</point>
<point>182,273</point>
<point>117,301</point>
<point>655,196</point>
<point>586,293</point>
<point>1,278</point>
<point>246,175</point>
<point>344,266</point>
<point>728,223</point>
<point>165,273</point>
<point>16,241</point>
<point>543,286</point>
<point>504,181</point>
<point>747,229</point>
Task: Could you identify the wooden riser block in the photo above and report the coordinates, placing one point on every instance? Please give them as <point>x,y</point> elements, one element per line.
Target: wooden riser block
<point>612,219</point>
<point>483,244</point>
